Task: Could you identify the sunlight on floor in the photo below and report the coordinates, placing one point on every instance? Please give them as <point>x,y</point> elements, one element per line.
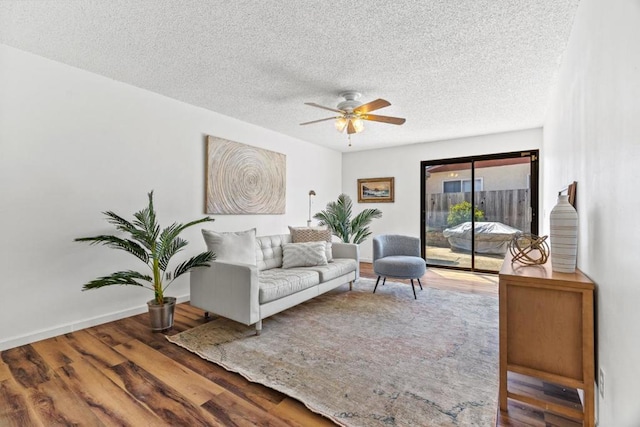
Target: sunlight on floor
<point>465,275</point>
<point>448,257</point>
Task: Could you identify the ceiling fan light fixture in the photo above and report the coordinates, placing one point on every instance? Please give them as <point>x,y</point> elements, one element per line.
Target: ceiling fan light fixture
<point>341,123</point>
<point>358,124</point>
<point>352,113</point>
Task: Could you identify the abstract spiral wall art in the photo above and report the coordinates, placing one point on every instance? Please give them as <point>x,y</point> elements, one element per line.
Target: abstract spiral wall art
<point>242,179</point>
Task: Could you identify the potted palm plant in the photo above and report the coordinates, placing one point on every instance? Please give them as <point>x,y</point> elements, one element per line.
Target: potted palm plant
<point>155,248</point>
<point>337,217</point>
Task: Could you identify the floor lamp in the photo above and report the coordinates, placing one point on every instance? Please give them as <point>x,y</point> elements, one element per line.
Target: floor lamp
<point>311,193</point>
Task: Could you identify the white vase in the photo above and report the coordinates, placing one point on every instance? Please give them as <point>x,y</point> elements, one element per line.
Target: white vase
<point>564,236</point>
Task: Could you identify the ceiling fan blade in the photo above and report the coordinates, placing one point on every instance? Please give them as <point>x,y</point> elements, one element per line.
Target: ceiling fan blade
<point>383,119</point>
<point>351,128</point>
<point>318,121</point>
<point>313,104</point>
<point>371,106</point>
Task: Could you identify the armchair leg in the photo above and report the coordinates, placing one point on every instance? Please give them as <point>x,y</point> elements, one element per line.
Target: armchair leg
<point>384,281</point>
<point>419,283</point>
<point>414,290</point>
<point>351,285</point>
<point>259,327</point>
<point>207,315</point>
<point>376,287</point>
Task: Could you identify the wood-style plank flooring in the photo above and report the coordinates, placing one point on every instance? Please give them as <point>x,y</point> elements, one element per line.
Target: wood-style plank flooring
<point>120,373</point>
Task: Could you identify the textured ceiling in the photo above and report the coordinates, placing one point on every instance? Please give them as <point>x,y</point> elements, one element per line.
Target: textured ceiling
<point>451,68</point>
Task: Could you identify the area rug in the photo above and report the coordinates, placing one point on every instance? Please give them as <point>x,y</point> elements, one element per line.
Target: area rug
<point>364,359</point>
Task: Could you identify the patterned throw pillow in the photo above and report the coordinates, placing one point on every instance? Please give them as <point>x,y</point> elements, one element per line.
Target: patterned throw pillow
<point>305,254</point>
<point>238,246</point>
<point>313,234</point>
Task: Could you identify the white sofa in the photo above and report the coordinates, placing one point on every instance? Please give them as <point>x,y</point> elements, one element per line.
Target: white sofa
<point>249,293</point>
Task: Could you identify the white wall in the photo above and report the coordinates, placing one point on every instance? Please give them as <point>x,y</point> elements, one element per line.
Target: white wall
<point>74,144</point>
<point>403,163</point>
<point>592,136</point>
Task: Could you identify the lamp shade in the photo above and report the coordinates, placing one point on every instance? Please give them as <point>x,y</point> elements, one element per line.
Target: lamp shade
<point>341,124</point>
<point>358,124</point>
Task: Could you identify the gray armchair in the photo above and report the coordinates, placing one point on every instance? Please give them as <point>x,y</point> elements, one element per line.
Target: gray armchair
<point>398,256</point>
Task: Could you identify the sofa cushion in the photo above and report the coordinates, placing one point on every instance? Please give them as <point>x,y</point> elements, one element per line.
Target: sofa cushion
<point>400,266</point>
<point>337,268</point>
<point>277,283</point>
<point>303,254</point>
<point>238,246</point>
<point>268,250</point>
<point>312,234</point>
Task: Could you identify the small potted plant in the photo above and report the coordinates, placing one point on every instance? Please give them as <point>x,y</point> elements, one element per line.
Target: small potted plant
<point>337,217</point>
<point>155,248</point>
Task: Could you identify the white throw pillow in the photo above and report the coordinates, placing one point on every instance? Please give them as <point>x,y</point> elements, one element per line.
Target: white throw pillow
<point>236,246</point>
<point>304,254</point>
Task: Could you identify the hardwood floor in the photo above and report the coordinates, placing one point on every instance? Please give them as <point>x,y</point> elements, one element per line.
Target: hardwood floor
<point>121,373</point>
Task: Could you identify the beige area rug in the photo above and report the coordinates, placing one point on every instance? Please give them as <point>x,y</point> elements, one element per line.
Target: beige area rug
<point>364,359</point>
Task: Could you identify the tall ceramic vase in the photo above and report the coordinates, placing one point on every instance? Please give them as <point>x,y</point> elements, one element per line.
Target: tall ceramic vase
<point>564,236</point>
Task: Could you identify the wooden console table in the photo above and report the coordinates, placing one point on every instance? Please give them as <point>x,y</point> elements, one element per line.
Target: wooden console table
<point>546,332</point>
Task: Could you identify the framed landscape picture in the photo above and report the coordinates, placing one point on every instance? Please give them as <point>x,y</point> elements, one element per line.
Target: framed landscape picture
<point>375,190</point>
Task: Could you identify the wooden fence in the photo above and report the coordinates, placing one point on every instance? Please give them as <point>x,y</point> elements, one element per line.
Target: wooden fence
<point>510,207</point>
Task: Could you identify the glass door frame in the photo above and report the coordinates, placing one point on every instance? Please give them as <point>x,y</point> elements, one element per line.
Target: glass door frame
<point>533,186</point>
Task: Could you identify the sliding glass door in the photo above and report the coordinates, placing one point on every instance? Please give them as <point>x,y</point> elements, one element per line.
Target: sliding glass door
<point>473,206</point>
<point>445,199</point>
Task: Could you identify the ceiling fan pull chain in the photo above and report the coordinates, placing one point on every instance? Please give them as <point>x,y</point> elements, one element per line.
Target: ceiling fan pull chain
<point>349,139</point>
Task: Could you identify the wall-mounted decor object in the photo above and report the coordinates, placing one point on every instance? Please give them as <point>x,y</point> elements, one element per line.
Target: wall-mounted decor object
<point>375,190</point>
<point>242,179</point>
<point>563,222</point>
<point>571,192</point>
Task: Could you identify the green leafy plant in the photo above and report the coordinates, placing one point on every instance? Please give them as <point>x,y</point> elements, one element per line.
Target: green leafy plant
<point>461,212</point>
<point>152,246</point>
<point>337,216</point>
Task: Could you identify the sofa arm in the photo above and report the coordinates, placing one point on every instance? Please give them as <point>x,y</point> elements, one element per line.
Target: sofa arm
<point>227,289</point>
<point>347,250</point>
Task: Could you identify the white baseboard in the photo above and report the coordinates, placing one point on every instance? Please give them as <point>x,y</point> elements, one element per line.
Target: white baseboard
<point>75,326</point>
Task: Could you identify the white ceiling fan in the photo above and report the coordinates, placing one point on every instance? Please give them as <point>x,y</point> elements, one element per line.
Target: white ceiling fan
<point>352,113</point>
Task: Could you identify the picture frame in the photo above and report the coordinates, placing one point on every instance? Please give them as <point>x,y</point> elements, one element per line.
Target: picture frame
<point>238,176</point>
<point>376,190</point>
<point>571,192</point>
